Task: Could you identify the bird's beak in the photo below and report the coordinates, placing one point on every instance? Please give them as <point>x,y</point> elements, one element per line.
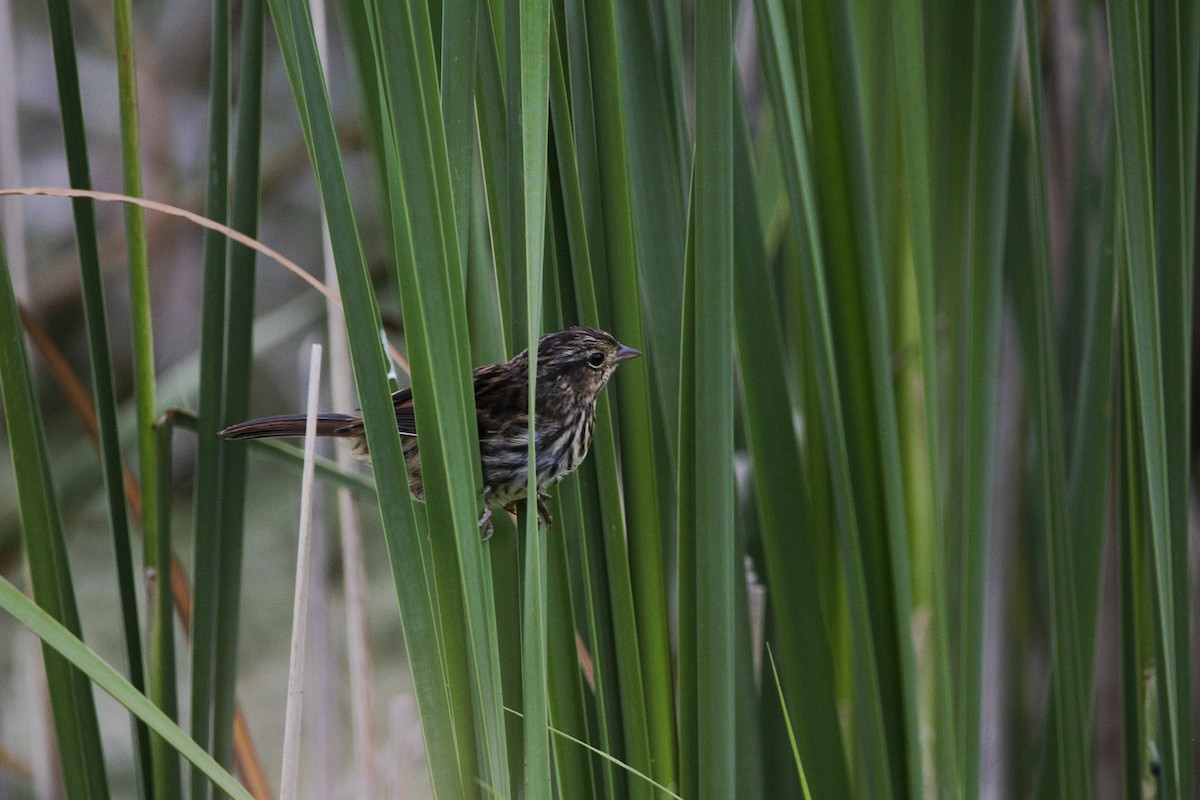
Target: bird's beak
<point>625,352</point>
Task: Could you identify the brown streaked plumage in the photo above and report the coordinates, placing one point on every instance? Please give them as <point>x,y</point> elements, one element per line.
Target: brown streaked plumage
<point>573,367</point>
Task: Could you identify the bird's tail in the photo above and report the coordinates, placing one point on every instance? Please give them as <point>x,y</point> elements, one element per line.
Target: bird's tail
<point>293,425</point>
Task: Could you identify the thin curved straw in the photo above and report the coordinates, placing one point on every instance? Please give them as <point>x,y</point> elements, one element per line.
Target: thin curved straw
<point>203,222</point>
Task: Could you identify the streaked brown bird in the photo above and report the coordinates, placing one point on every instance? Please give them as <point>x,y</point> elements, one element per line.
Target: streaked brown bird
<point>573,366</point>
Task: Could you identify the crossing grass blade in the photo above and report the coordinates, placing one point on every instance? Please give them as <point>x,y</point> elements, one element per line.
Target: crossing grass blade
<point>597,637</point>
<point>1028,256</point>
<point>66,645</point>
<point>567,711</point>
<point>493,156</point>
<point>1090,436</point>
<point>790,729</point>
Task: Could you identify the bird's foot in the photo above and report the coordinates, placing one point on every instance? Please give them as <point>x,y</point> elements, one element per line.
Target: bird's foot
<point>488,528</point>
<point>544,510</point>
<point>485,522</point>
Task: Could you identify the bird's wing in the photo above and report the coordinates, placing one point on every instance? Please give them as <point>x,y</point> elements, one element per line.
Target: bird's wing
<point>496,401</point>
<point>497,397</point>
<point>406,420</point>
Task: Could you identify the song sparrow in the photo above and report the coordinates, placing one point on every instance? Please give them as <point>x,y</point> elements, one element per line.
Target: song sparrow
<point>573,366</point>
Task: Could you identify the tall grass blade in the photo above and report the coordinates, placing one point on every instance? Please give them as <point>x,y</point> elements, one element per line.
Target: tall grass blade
<point>459,41</point>
<point>1093,423</point>
<point>239,343</point>
<point>531,101</point>
<point>1029,265</point>
<point>139,290</point>
<point>791,130</point>
<point>787,718</point>
<point>688,582</point>
<point>886,550</point>
<point>660,156</point>
<point>619,275</point>
<point>710,401</point>
<point>1129,24</point>
<point>780,488</point>
<point>917,401</point>
<point>451,756</point>
<point>1135,613</point>
<point>567,703</point>
<point>607,585</point>
<point>1029,278</point>
<point>163,677</point>
<point>993,57</point>
<point>76,726</point>
<point>99,351</point>
<point>1175,53</point>
<point>216,557</point>
<point>492,120</point>
<point>430,275</point>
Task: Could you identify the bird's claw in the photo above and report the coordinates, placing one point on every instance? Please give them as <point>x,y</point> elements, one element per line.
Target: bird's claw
<point>544,510</point>
<point>488,528</point>
<point>485,523</point>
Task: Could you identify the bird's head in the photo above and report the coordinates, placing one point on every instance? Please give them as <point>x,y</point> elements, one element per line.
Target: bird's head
<point>575,364</point>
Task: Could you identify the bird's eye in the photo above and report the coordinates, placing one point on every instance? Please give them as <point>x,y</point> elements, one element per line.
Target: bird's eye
<point>596,359</point>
